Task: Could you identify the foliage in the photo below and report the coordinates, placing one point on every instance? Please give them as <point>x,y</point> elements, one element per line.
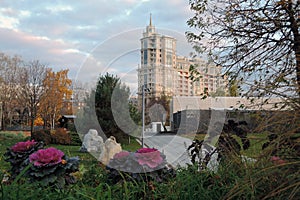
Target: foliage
<point>142,165</point>
<point>235,179</point>
<point>18,156</point>
<point>226,146</point>
<point>258,42</point>
<point>269,178</point>
<point>42,135</point>
<point>283,146</point>
<point>45,166</point>
<point>32,88</point>
<point>57,136</point>
<point>38,122</point>
<point>57,89</point>
<point>9,71</point>
<point>75,139</point>
<point>234,88</point>
<point>107,86</point>
<point>51,166</point>
<point>135,115</point>
<point>25,86</point>
<point>283,138</point>
<point>60,136</point>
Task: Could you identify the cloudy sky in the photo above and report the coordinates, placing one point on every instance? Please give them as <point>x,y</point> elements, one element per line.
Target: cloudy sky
<point>89,37</point>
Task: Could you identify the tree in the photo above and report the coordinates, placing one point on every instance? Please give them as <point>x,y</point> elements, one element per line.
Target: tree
<point>56,90</point>
<point>220,92</point>
<point>9,68</point>
<point>258,42</point>
<point>233,88</point>
<point>135,115</point>
<point>32,88</point>
<point>107,86</point>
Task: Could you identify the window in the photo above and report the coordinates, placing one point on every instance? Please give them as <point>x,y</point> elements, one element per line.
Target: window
<point>169,58</point>
<point>145,56</point>
<point>169,44</point>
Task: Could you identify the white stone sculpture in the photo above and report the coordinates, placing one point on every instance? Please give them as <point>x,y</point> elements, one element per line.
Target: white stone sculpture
<point>92,142</point>
<point>111,147</point>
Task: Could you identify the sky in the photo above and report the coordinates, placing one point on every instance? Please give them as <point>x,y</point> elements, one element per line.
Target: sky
<point>89,37</point>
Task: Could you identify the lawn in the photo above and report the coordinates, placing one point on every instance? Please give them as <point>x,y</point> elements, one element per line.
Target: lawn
<point>233,180</point>
<point>7,139</point>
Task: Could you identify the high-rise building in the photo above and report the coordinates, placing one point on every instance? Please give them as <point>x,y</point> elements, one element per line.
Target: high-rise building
<point>165,73</point>
<point>158,62</point>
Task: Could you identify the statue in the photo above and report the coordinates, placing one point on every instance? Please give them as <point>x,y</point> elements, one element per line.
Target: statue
<point>111,147</point>
<point>92,142</point>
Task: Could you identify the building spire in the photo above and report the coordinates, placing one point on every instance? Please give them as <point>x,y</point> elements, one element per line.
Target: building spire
<point>150,20</point>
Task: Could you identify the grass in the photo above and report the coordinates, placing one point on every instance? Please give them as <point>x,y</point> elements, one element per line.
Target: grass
<point>132,146</point>
<point>7,139</point>
<point>256,142</point>
<point>233,180</point>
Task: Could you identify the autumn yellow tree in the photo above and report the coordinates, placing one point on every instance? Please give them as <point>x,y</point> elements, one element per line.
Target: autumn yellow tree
<point>57,90</point>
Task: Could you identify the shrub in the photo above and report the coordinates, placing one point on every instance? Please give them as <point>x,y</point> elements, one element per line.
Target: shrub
<point>60,136</point>
<point>71,127</point>
<point>75,139</point>
<point>42,135</point>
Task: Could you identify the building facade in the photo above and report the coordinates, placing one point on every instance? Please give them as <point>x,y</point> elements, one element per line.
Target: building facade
<point>158,63</point>
<point>164,73</point>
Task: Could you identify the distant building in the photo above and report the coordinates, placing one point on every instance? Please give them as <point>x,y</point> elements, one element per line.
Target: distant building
<point>165,73</point>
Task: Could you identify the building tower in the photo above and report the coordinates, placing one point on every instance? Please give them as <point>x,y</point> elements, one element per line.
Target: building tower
<point>158,61</point>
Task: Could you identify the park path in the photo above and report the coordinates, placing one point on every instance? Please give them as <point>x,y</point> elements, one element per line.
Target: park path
<point>173,146</point>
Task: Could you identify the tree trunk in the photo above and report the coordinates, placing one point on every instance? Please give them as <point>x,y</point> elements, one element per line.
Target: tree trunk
<point>298,72</point>
<point>2,118</point>
<point>295,29</point>
<point>31,124</point>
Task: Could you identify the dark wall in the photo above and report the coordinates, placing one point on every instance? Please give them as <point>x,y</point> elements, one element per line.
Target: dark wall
<point>191,121</point>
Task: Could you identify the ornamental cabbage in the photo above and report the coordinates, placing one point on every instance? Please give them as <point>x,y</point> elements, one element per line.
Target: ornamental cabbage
<point>23,146</point>
<point>46,157</point>
<point>122,154</point>
<point>150,157</point>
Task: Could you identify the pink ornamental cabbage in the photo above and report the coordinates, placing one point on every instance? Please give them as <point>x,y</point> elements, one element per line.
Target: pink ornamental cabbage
<point>146,150</point>
<point>50,156</point>
<point>23,146</point>
<point>121,154</point>
<point>277,160</point>
<point>148,156</point>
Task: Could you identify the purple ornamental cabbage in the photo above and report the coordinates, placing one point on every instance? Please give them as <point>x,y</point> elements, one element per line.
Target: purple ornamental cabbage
<point>149,156</point>
<point>23,146</point>
<point>46,157</point>
<point>122,154</point>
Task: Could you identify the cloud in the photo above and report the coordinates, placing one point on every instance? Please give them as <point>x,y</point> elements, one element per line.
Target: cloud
<point>63,33</point>
<point>55,53</point>
<point>59,8</point>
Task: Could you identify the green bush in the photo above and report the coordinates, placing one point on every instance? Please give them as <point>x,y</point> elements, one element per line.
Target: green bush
<point>75,139</point>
